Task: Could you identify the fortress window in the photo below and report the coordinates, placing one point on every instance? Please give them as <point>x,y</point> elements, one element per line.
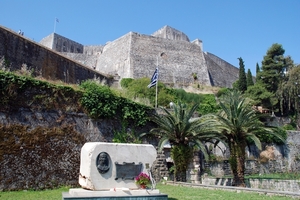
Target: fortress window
<point>64,47</point>
<point>72,49</point>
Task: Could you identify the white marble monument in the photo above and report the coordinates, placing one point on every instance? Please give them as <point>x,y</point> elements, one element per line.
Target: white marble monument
<point>114,157</point>
<point>109,169</point>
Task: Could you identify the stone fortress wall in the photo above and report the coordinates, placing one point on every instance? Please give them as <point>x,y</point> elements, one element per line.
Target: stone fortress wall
<point>172,34</point>
<point>179,61</point>
<point>61,44</point>
<point>136,55</point>
<point>133,55</point>
<point>19,51</point>
<point>221,72</point>
<point>116,57</point>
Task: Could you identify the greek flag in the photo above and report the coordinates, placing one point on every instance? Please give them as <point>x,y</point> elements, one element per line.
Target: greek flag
<point>153,79</point>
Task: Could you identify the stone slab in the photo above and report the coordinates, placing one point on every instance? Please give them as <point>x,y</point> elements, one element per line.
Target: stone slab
<point>93,177</point>
<point>116,193</point>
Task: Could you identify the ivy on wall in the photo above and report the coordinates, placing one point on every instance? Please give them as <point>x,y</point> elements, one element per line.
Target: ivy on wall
<point>101,102</point>
<point>97,100</point>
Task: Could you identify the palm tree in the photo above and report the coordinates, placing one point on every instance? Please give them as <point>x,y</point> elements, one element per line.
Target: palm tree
<point>240,125</point>
<point>184,133</point>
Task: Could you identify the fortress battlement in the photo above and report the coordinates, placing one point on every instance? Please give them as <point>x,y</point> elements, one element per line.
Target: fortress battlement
<point>136,55</point>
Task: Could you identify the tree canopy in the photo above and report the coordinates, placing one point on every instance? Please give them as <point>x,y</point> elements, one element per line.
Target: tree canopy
<point>239,124</point>
<point>183,132</point>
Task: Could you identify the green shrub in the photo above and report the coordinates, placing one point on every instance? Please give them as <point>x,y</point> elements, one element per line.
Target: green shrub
<point>289,127</point>
<point>222,91</point>
<point>208,105</point>
<point>101,102</point>
<point>269,138</point>
<point>98,100</point>
<point>164,98</point>
<point>125,82</point>
<point>126,136</point>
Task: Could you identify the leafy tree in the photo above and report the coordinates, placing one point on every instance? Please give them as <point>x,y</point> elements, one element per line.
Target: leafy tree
<point>184,133</point>
<point>260,96</point>
<point>242,83</point>
<point>289,92</point>
<point>273,68</point>
<point>288,89</point>
<point>240,125</point>
<point>249,78</point>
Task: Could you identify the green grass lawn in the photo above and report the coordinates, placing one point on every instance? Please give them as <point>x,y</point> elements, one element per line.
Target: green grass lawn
<point>189,193</point>
<point>34,195</point>
<point>174,193</point>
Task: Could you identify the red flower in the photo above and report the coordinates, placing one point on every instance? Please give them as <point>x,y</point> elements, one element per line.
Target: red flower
<point>142,179</point>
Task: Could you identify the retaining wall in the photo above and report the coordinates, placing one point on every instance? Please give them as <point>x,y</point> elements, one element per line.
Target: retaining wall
<point>266,184</point>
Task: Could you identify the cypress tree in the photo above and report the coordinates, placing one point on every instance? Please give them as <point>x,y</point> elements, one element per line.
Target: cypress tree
<point>257,68</point>
<point>249,78</point>
<point>242,83</point>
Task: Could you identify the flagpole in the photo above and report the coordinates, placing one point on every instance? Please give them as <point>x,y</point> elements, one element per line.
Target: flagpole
<point>54,24</point>
<point>156,82</point>
<point>55,21</point>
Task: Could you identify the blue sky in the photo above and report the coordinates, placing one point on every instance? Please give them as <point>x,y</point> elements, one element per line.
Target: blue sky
<point>228,28</point>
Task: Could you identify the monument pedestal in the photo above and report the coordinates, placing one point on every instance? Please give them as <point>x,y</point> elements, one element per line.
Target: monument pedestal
<point>117,193</point>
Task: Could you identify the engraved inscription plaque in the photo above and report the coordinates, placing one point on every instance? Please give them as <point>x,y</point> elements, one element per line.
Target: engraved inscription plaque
<point>128,170</point>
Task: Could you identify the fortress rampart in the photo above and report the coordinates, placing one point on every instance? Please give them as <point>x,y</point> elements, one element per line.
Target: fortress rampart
<point>137,55</point>
<point>179,61</point>
<point>61,44</point>
<point>222,73</point>
<point>133,55</point>
<point>169,33</point>
<point>18,50</point>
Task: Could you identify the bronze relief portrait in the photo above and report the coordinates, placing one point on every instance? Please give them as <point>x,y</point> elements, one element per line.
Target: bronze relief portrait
<point>103,162</point>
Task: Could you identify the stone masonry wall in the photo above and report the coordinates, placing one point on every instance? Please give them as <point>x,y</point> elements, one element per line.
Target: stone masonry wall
<point>179,61</point>
<point>137,55</point>
<point>115,58</point>
<point>223,73</point>
<point>19,50</point>
<point>93,50</point>
<point>284,158</point>
<point>159,168</point>
<point>61,44</point>
<point>42,160</point>
<point>261,184</point>
<point>171,33</point>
